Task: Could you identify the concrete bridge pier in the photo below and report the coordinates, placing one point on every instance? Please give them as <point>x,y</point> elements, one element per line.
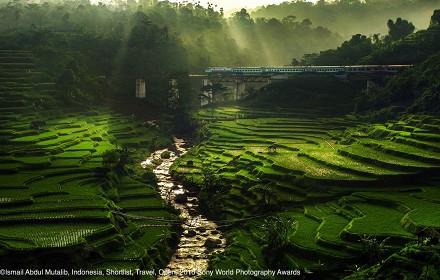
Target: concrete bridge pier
<point>206,82</point>
<point>240,89</point>
<point>237,85</point>
<point>140,88</point>
<point>207,95</point>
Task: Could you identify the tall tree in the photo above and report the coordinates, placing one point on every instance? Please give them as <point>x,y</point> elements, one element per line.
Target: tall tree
<point>399,29</point>
<point>435,19</point>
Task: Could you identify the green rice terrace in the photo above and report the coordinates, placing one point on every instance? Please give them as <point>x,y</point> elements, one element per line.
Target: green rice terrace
<point>290,189</point>
<point>57,202</point>
<point>355,193</point>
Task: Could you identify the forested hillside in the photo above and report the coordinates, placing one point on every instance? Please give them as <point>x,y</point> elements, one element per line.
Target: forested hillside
<point>401,45</point>
<point>331,196</point>
<point>348,17</point>
<point>206,35</point>
<point>291,177</point>
<point>171,39</point>
<point>414,90</point>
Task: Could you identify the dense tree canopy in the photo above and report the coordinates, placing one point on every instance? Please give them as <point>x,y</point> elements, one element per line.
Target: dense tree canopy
<point>400,46</point>
<point>399,29</point>
<point>416,90</point>
<point>113,45</point>
<point>349,53</point>
<point>348,17</point>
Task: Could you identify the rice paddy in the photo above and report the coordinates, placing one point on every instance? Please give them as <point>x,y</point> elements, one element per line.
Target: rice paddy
<point>343,181</point>
<point>53,193</point>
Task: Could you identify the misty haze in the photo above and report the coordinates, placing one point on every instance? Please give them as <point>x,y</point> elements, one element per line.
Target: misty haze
<point>220,140</point>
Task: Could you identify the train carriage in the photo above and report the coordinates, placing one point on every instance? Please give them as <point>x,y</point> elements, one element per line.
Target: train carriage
<point>285,70</point>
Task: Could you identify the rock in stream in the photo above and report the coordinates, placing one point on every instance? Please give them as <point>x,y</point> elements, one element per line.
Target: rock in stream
<point>200,237</point>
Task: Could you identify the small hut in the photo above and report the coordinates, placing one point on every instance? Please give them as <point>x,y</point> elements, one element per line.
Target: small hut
<point>428,236</point>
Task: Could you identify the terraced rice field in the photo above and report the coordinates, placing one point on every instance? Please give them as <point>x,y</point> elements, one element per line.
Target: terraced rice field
<point>340,179</point>
<point>53,193</point>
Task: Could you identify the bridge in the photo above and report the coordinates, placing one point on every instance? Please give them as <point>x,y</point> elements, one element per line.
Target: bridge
<point>259,74</point>
<point>242,75</point>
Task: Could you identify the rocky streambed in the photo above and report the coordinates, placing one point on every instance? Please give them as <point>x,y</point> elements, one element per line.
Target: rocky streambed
<point>200,237</point>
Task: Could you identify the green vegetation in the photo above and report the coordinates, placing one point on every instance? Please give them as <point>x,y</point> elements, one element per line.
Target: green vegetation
<point>413,91</point>
<point>91,48</point>
<point>295,180</point>
<point>67,186</point>
<point>277,231</point>
<point>353,16</point>
<point>354,189</point>
<point>400,46</point>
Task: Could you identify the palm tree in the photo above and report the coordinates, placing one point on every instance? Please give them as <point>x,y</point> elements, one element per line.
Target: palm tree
<point>277,231</point>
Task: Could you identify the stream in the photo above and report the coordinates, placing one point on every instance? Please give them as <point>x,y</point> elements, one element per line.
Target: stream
<point>200,237</point>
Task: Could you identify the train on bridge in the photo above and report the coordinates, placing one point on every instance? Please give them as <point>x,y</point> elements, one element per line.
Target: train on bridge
<point>286,70</point>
